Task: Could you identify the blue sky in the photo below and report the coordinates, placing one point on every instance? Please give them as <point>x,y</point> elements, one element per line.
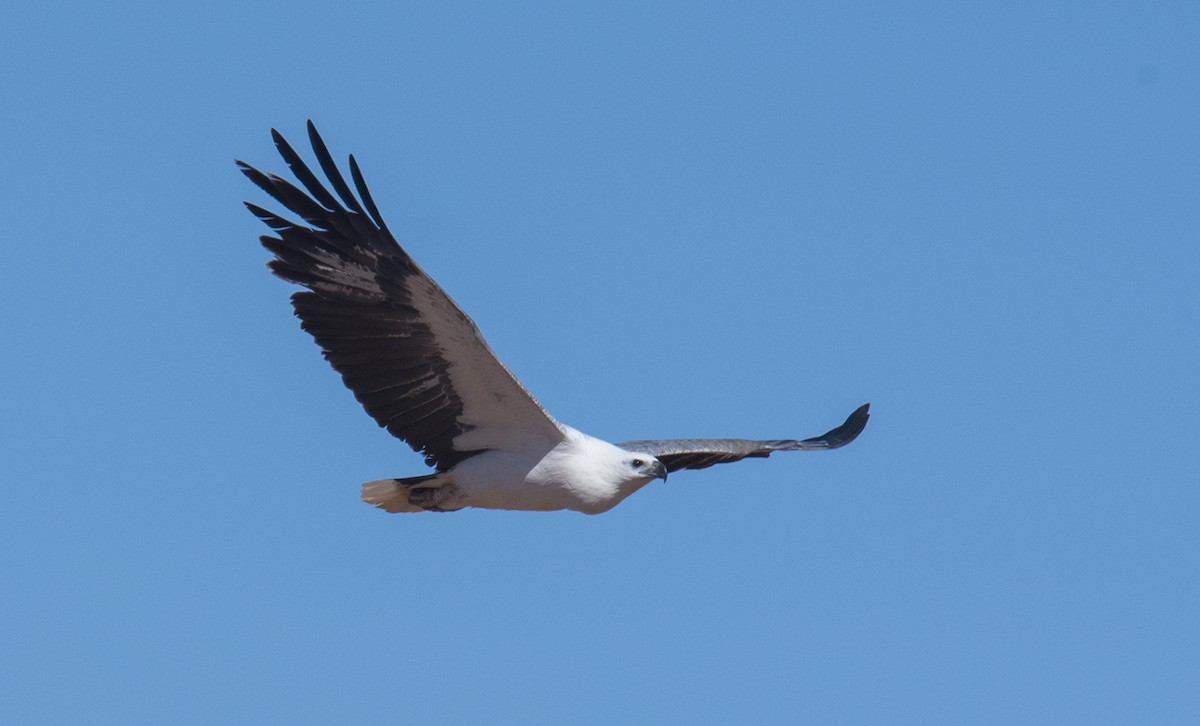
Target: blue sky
<point>685,219</point>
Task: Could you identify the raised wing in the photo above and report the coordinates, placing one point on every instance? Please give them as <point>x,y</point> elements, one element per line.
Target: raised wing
<point>676,454</point>
<point>412,357</point>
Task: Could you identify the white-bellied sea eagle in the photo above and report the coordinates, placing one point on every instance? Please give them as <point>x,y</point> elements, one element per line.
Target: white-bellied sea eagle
<point>421,369</point>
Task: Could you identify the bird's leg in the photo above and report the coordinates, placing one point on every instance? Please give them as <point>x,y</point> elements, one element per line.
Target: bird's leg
<point>432,498</point>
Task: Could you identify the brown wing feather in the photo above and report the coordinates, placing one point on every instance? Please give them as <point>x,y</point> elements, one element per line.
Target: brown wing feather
<point>412,357</point>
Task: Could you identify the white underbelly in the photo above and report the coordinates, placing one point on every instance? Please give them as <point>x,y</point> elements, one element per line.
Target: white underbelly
<point>499,480</point>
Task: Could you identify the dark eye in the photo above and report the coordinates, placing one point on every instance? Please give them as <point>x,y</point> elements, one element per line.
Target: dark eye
<point>638,463</point>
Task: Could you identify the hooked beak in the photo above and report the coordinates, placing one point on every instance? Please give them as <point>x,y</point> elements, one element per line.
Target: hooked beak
<point>658,470</point>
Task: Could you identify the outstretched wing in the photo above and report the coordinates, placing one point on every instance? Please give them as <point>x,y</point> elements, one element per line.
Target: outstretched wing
<point>676,454</point>
<point>412,357</point>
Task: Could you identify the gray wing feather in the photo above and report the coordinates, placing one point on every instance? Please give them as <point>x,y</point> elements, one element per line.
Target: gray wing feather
<point>678,454</point>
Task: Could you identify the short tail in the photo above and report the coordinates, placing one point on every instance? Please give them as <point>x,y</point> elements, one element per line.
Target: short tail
<point>396,495</point>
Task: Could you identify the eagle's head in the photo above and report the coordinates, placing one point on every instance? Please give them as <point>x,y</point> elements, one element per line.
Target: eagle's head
<point>646,466</point>
<point>597,473</point>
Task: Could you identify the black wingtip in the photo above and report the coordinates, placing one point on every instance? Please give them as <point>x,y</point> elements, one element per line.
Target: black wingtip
<point>844,434</point>
<point>368,200</point>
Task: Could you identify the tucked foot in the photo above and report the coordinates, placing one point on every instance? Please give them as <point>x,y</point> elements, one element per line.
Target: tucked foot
<point>431,492</point>
<point>433,499</point>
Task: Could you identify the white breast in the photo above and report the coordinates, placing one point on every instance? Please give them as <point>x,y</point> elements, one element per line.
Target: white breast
<point>580,473</point>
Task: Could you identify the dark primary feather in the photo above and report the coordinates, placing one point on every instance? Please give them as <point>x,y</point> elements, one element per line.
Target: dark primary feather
<point>676,454</point>
<point>375,313</point>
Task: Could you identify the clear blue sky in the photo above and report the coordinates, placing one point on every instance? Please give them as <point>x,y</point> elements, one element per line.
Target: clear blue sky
<point>669,220</point>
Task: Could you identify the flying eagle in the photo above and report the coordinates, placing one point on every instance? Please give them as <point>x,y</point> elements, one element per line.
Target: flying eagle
<point>422,370</point>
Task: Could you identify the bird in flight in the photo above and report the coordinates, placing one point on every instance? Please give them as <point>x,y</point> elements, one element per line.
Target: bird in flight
<point>420,367</point>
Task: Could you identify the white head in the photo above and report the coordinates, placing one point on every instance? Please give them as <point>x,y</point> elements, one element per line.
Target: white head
<point>598,474</point>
